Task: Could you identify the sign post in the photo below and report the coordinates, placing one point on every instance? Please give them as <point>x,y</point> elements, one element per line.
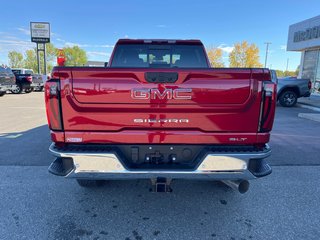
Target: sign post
<point>40,34</point>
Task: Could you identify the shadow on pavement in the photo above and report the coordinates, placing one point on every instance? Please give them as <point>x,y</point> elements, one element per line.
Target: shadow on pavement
<point>29,148</point>
<point>141,214</point>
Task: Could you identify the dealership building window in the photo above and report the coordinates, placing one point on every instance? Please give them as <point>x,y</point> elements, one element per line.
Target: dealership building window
<point>305,37</point>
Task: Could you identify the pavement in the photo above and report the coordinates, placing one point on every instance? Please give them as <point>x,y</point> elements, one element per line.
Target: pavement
<point>313,100</point>
<point>312,103</point>
<point>37,205</point>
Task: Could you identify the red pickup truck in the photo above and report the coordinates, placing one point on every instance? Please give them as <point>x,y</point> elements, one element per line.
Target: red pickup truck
<point>159,111</point>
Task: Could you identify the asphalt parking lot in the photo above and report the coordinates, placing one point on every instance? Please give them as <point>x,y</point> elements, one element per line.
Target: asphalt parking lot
<point>37,205</point>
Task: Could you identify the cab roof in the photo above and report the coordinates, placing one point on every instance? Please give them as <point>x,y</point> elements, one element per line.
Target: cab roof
<point>159,41</point>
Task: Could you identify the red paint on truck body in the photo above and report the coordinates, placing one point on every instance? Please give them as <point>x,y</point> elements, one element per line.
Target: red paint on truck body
<point>225,107</point>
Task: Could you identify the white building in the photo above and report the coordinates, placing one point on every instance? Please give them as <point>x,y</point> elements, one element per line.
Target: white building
<point>305,37</point>
<point>95,64</point>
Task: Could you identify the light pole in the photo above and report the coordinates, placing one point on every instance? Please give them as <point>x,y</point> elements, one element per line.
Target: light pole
<point>265,62</point>
<point>287,64</point>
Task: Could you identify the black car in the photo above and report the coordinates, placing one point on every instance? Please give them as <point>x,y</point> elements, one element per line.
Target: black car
<point>7,80</point>
<point>26,80</point>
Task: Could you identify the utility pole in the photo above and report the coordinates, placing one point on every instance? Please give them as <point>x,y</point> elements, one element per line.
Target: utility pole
<point>267,50</point>
<point>287,64</point>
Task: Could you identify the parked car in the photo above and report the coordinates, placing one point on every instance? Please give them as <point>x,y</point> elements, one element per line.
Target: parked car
<point>160,111</point>
<point>7,80</point>
<point>292,88</point>
<point>26,80</point>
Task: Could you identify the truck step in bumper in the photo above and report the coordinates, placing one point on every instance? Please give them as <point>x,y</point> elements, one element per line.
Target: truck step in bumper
<point>260,168</point>
<point>61,166</point>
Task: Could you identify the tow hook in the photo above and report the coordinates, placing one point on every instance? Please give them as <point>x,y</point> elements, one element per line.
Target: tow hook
<point>161,184</point>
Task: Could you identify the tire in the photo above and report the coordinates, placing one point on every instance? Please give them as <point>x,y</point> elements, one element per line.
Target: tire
<point>28,90</point>
<point>288,98</point>
<point>18,89</point>
<point>40,89</point>
<point>90,183</point>
<point>2,94</point>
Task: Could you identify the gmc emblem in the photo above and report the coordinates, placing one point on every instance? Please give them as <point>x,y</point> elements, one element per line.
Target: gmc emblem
<point>154,93</point>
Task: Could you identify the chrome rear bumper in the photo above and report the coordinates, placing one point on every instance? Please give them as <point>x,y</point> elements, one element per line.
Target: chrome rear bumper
<point>216,166</point>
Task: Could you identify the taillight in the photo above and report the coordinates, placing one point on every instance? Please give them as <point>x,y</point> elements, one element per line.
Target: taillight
<point>29,79</point>
<point>268,105</point>
<point>53,107</point>
<point>309,84</point>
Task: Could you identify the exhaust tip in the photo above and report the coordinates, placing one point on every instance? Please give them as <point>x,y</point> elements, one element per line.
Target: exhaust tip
<point>242,186</point>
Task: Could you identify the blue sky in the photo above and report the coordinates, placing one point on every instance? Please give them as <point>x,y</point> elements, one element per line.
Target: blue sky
<point>96,25</point>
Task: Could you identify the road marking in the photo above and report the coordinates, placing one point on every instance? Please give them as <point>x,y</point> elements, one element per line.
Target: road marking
<point>11,136</point>
<point>293,135</point>
<point>310,116</point>
<point>317,109</point>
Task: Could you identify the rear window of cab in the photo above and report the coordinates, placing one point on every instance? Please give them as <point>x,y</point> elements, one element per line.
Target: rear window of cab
<point>159,56</point>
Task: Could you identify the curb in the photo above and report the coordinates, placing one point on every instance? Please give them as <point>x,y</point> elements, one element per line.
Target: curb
<point>317,109</point>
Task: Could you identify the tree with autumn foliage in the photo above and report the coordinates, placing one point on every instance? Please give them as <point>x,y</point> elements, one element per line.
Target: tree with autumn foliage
<point>15,59</point>
<point>75,56</point>
<point>215,57</point>
<point>245,55</point>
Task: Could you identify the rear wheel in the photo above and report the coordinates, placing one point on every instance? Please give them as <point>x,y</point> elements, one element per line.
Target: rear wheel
<point>18,89</point>
<point>28,90</point>
<point>288,98</point>
<point>90,183</point>
<point>2,93</point>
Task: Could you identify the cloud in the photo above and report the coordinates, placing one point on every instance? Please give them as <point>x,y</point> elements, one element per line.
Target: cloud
<point>53,34</point>
<point>72,44</point>
<point>283,47</point>
<point>104,46</point>
<point>161,26</point>
<point>24,30</point>
<point>16,45</point>
<point>10,37</point>
<point>9,44</point>
<point>60,40</point>
<point>225,48</point>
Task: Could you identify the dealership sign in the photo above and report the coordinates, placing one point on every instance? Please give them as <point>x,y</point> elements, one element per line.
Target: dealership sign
<point>40,32</point>
<point>307,34</point>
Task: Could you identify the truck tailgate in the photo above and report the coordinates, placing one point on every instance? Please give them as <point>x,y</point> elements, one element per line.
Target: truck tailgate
<point>37,78</point>
<point>115,87</point>
<point>100,100</point>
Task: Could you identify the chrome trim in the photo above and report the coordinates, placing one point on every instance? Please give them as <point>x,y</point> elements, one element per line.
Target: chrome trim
<point>7,87</point>
<point>222,166</point>
<point>37,84</point>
